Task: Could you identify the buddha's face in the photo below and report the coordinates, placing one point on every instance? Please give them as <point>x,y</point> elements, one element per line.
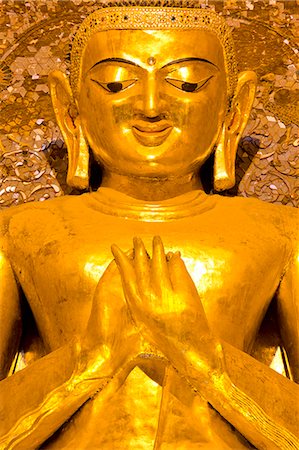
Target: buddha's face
<point>152,102</point>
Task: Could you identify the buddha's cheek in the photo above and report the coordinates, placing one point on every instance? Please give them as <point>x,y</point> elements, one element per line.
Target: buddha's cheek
<point>197,121</point>
<point>197,126</point>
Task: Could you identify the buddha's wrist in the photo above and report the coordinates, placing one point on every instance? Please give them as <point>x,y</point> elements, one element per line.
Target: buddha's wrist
<point>92,363</point>
<point>206,369</point>
<point>96,369</point>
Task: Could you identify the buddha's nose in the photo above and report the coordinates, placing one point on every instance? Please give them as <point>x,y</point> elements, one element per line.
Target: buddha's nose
<point>150,103</point>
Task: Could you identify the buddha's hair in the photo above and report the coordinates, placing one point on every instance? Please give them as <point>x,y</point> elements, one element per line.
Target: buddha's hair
<point>153,14</point>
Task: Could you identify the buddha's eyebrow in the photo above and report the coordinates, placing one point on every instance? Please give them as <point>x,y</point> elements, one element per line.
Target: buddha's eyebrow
<point>121,60</point>
<point>179,61</point>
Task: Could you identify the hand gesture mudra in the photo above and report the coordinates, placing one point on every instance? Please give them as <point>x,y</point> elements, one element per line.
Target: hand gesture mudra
<point>162,296</point>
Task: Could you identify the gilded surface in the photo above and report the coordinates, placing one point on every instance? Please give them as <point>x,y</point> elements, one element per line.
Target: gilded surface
<point>152,345</point>
<point>35,40</point>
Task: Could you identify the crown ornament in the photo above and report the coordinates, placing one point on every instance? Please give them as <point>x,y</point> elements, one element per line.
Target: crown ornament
<point>156,18</point>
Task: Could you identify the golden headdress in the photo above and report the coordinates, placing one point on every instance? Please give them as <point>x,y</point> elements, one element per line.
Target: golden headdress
<point>151,14</point>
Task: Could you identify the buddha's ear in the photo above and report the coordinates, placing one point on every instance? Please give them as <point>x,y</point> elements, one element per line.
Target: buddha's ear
<point>69,123</point>
<point>232,130</point>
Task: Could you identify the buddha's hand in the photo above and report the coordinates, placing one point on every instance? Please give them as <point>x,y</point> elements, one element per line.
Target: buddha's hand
<point>162,296</point>
<point>112,339</point>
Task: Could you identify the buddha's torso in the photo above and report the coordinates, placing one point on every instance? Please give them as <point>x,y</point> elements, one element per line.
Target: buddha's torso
<point>235,249</point>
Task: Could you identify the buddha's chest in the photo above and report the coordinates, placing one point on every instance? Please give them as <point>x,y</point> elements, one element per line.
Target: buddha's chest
<point>60,271</point>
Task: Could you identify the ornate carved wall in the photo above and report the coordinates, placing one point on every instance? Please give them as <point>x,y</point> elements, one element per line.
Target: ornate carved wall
<point>35,39</point>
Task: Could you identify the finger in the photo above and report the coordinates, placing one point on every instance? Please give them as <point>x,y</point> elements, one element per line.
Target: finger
<point>159,274</point>
<point>97,320</point>
<point>142,265</point>
<point>112,267</point>
<point>111,277</point>
<point>179,275</point>
<point>105,280</point>
<point>169,256</point>
<point>130,253</point>
<point>127,273</point>
<point>183,285</point>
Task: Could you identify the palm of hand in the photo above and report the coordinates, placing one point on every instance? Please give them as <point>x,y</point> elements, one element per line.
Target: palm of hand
<point>111,334</point>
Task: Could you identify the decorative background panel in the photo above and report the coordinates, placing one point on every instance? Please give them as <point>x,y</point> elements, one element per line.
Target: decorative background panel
<point>35,38</point>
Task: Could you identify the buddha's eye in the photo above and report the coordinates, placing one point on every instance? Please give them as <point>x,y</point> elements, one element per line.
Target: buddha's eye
<point>187,86</point>
<point>115,86</point>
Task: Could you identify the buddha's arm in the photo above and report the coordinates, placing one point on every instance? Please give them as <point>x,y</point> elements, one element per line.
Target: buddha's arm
<point>24,397</point>
<point>260,403</point>
<point>288,308</point>
<point>10,316</point>
<point>36,401</point>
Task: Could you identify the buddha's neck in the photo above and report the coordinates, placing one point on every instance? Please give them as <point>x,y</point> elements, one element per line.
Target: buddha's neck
<point>150,188</point>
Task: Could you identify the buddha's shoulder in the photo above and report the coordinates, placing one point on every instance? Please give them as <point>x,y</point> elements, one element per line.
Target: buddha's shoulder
<point>38,215</point>
<point>253,205</point>
<point>256,214</point>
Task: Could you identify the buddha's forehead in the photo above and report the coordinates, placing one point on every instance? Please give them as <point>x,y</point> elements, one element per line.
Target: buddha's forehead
<point>164,45</point>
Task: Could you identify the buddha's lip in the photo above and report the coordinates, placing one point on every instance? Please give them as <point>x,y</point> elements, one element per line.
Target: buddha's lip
<point>152,128</point>
<point>153,136</point>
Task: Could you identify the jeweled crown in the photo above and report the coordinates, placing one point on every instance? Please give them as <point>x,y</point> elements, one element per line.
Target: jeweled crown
<point>152,17</point>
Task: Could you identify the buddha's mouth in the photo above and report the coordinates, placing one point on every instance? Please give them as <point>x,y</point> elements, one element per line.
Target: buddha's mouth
<point>151,134</point>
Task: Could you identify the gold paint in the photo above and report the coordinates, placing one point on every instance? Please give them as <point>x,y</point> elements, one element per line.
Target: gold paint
<point>139,347</point>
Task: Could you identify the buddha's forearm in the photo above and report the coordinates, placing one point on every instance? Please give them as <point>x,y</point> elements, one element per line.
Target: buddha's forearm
<point>260,403</point>
<point>262,429</point>
<point>36,401</point>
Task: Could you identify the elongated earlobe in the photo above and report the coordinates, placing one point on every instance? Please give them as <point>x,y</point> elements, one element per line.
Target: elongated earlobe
<point>78,164</point>
<point>232,130</point>
<point>224,164</point>
<point>71,129</point>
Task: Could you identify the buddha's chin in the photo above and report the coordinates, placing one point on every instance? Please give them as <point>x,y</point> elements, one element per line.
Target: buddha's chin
<point>156,160</point>
<point>149,154</point>
<point>153,153</point>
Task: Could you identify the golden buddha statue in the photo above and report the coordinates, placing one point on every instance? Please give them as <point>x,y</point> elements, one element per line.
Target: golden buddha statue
<point>139,351</point>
